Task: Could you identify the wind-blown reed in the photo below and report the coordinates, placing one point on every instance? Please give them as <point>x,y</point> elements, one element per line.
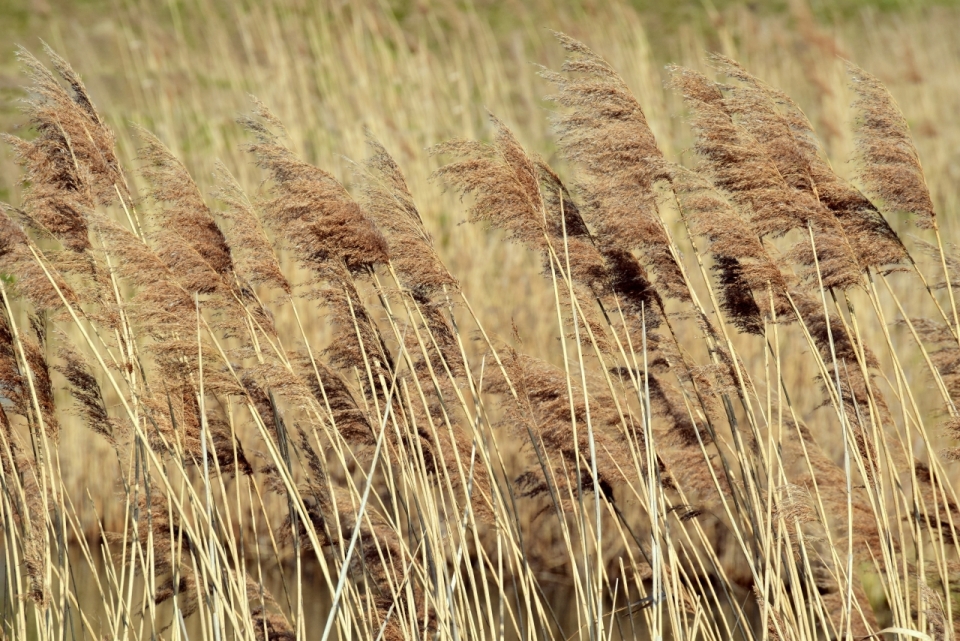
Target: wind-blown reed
<point>438,481</point>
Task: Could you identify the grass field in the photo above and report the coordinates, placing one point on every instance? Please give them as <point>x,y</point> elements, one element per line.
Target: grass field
<point>247,397</point>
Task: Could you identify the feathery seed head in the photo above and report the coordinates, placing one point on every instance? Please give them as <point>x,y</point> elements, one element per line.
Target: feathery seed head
<point>888,162</point>
<point>389,202</point>
<point>503,180</point>
<point>309,208</point>
<point>182,209</point>
<point>71,165</point>
<point>252,253</point>
<point>605,132</point>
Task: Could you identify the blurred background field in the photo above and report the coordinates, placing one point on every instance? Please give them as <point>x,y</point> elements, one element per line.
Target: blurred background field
<point>419,73</point>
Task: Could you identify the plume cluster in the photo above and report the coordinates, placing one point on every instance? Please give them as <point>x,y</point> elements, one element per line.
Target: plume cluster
<point>660,470</point>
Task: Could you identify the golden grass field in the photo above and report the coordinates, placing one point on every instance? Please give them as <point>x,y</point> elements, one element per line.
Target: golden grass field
<point>719,541</point>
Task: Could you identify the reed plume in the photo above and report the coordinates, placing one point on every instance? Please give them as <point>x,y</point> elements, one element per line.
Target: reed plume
<point>31,282</point>
<point>388,201</point>
<point>251,251</point>
<point>502,179</point>
<point>391,205</point>
<point>358,338</point>
<point>742,165</point>
<point>544,412</point>
<point>309,208</point>
<point>823,478</point>
<point>606,133</point>
<point>888,162</point>
<point>71,166</point>
<point>161,306</point>
<point>332,393</point>
<point>802,162</point>
<point>759,165</point>
<point>606,273</point>
<point>747,274</point>
<point>182,210</point>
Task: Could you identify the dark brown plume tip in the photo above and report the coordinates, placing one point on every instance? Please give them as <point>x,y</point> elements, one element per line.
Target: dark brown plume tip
<point>309,207</point>
<point>182,208</point>
<point>811,313</point>
<point>86,392</point>
<point>570,234</point>
<point>389,202</point>
<point>612,274</point>
<point>888,162</point>
<point>742,261</point>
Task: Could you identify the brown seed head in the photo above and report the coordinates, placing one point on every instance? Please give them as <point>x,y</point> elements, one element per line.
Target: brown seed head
<point>387,199</point>
<point>871,238</point>
<point>503,180</point>
<point>253,255</point>
<point>71,164</point>
<point>544,410</point>
<point>605,132</point>
<point>309,208</point>
<point>182,208</point>
<point>86,392</point>
<point>22,273</point>
<point>757,161</point>
<point>888,162</point>
<point>735,162</point>
<point>746,272</point>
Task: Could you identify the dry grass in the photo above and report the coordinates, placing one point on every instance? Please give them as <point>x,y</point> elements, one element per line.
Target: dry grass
<point>250,387</point>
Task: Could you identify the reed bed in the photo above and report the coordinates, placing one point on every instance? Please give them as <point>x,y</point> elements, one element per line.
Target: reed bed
<point>735,416</point>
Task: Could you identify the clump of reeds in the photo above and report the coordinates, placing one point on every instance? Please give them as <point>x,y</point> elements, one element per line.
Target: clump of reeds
<point>416,477</point>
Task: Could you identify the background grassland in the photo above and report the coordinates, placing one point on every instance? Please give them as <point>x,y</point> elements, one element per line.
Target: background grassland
<point>415,74</point>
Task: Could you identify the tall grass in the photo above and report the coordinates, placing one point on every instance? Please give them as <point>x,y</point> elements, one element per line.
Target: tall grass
<point>729,412</point>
